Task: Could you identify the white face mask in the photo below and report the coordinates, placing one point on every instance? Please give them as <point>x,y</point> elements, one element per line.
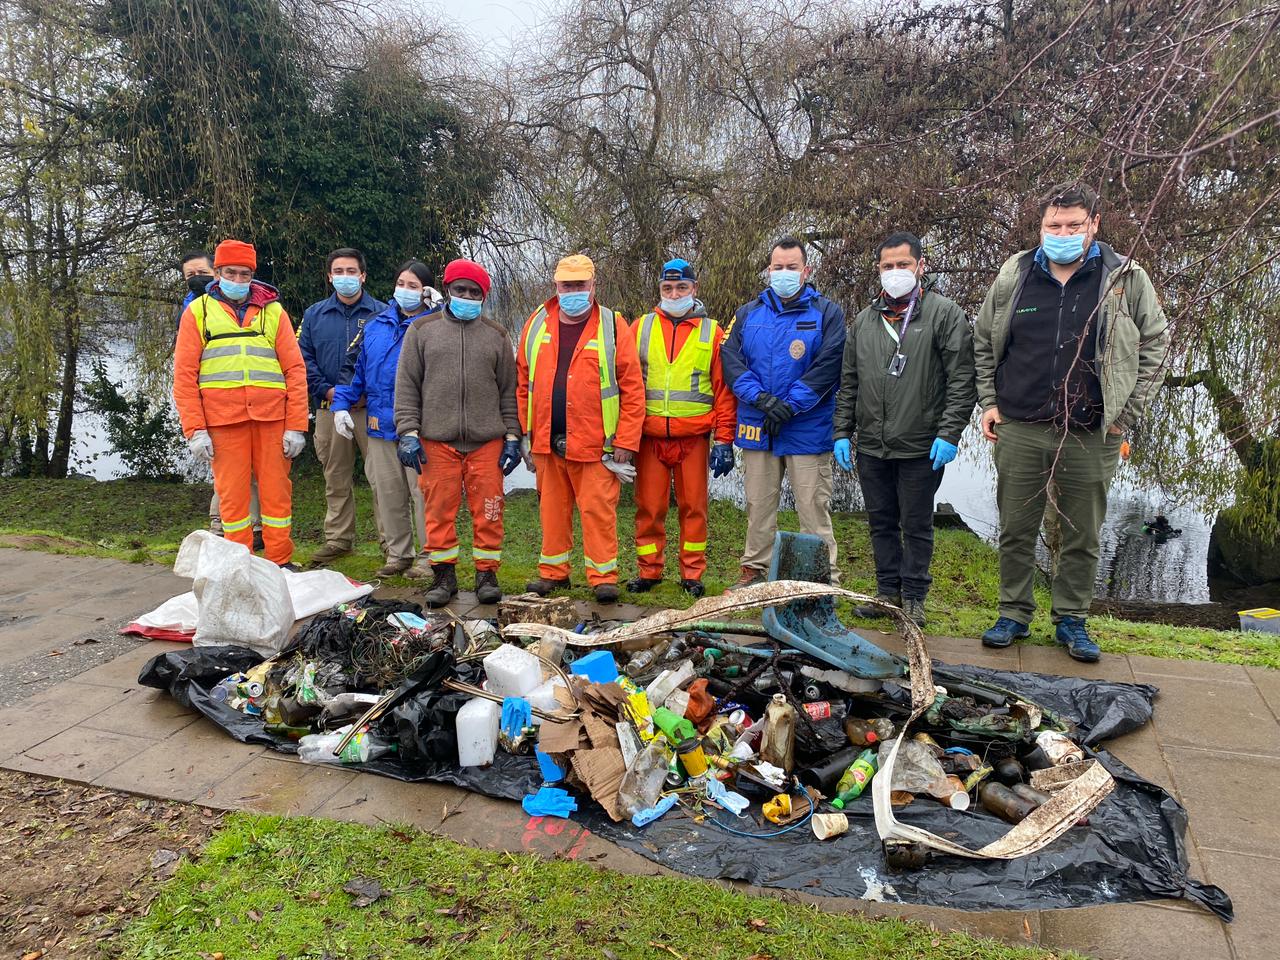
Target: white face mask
<point>898,283</point>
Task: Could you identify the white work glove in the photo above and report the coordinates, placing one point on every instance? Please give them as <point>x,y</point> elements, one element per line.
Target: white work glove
<point>343,423</point>
<point>526,453</point>
<point>626,471</point>
<point>201,446</point>
<point>294,441</point>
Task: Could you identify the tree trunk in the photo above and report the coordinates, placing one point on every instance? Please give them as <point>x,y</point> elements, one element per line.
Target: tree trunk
<point>61,456</point>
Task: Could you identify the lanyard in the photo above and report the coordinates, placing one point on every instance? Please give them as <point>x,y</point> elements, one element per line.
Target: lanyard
<point>906,320</point>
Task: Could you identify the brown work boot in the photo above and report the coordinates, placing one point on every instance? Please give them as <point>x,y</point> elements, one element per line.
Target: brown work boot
<point>487,589</point>
<point>750,577</point>
<point>420,571</point>
<point>606,593</point>
<point>328,553</point>
<point>444,585</point>
<point>393,568</point>
<point>542,586</point>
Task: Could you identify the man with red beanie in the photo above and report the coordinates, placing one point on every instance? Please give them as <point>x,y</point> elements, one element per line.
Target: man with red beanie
<point>686,399</point>
<point>581,402</point>
<point>455,410</point>
<point>240,385</point>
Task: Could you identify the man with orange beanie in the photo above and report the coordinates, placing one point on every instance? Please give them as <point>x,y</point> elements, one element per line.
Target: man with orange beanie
<point>577,366</point>
<point>455,408</point>
<point>240,385</point>
<point>686,399</point>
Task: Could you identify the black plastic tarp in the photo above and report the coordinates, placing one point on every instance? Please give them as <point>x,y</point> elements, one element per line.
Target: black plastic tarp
<point>1133,847</point>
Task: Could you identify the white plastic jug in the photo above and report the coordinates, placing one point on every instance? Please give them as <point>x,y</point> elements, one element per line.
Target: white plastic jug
<point>478,722</point>
<point>512,672</point>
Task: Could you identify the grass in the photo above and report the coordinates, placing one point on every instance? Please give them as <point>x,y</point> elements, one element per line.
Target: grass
<point>145,522</point>
<point>268,887</point>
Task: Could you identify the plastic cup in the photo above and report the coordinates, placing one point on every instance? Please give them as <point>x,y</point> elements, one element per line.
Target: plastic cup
<point>828,826</point>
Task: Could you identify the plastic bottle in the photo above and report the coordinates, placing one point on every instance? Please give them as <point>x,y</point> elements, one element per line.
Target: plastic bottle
<point>669,681</point>
<point>1004,803</point>
<point>916,768</point>
<point>1009,771</point>
<point>779,742</point>
<point>644,779</point>
<point>864,733</point>
<point>675,727</point>
<point>477,726</point>
<point>363,747</point>
<point>855,779</point>
<point>512,671</point>
<point>1058,749</point>
<point>678,702</point>
<point>1038,797</point>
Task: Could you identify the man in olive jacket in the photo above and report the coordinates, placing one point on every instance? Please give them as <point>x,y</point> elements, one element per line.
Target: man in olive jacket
<point>1069,344</point>
<point>906,395</point>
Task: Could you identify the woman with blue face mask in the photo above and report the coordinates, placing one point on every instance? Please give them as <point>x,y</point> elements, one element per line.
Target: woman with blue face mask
<point>399,501</point>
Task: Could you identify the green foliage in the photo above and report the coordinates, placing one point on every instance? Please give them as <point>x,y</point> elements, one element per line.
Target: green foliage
<point>145,434</point>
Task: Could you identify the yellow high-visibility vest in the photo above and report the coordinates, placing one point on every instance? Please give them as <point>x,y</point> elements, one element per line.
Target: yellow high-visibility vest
<point>679,387</point>
<point>236,356</point>
<point>603,342</point>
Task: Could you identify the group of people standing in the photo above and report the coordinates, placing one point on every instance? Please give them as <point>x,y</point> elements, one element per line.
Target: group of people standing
<point>428,388</point>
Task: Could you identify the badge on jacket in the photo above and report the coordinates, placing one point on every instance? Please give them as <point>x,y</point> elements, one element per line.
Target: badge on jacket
<point>797,349</point>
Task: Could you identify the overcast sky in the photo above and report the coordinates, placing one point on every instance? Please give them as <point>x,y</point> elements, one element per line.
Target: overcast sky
<point>493,23</point>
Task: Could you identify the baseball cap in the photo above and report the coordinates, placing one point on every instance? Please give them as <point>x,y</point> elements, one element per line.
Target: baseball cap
<point>575,267</point>
<point>678,269</point>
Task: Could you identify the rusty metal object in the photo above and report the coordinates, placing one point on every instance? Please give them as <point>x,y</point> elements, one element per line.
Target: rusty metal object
<point>531,608</point>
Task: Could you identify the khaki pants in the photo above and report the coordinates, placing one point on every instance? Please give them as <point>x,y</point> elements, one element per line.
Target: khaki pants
<point>810,482</point>
<point>1081,464</point>
<point>255,512</point>
<point>338,457</point>
<point>399,499</point>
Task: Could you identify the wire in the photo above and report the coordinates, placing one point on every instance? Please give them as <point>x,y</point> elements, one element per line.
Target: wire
<point>775,833</point>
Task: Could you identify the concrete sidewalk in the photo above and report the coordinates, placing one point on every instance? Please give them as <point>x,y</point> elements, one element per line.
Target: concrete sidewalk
<point>1214,743</point>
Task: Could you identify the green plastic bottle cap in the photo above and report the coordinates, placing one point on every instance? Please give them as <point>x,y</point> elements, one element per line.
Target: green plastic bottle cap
<point>838,803</point>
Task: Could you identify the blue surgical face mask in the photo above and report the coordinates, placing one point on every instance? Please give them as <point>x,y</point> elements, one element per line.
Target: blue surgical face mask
<point>410,300</point>
<point>465,309</point>
<point>678,307</point>
<point>346,285</point>
<point>572,304</point>
<point>233,290</point>
<point>1066,249</point>
<point>785,283</point>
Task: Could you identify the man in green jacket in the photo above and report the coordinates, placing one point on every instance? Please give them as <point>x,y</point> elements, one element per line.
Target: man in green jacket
<point>1069,344</point>
<point>906,395</point>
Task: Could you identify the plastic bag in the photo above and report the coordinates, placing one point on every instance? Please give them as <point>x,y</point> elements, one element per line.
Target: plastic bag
<point>243,599</point>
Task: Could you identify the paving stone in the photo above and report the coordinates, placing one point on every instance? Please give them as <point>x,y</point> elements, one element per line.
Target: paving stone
<point>379,800</point>
<point>123,670</point>
<point>1141,752</point>
<point>957,650</point>
<point>502,825</point>
<point>40,633</point>
<point>1254,886</point>
<point>1055,661</point>
<point>1136,932</point>
<point>1012,926</point>
<point>1230,799</point>
<point>1200,670</point>
<point>606,855</point>
<point>1231,716</point>
<point>144,712</point>
<point>1268,683</point>
<point>184,766</point>
<point>78,754</point>
<point>129,599</point>
<point>49,713</point>
<point>268,785</point>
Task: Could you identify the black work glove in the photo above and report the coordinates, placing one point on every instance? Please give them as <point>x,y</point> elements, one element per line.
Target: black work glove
<point>510,456</point>
<point>766,402</point>
<point>776,416</point>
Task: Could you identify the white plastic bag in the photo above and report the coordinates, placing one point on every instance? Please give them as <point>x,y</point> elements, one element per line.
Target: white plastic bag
<point>242,599</point>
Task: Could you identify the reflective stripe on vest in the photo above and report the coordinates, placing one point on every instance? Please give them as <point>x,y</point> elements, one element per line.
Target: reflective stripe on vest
<point>606,333</point>
<point>236,356</point>
<point>679,387</point>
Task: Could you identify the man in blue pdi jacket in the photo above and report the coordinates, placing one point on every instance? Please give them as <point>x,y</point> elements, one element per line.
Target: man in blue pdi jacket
<point>782,359</point>
<point>330,329</point>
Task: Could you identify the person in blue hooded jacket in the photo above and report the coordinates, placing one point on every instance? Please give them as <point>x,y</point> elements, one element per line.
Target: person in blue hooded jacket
<point>398,500</point>
<point>782,358</point>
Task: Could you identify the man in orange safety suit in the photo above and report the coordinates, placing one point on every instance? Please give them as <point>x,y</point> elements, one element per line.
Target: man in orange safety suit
<point>686,399</point>
<point>240,385</point>
<point>580,396</point>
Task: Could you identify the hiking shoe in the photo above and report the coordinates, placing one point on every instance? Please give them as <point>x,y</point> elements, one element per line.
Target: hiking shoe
<point>543,586</point>
<point>693,588</point>
<point>868,612</point>
<point>393,568</point>
<point>419,571</point>
<point>1072,635</point>
<point>914,609</point>
<point>642,584</point>
<point>1004,632</point>
<point>258,543</point>
<point>750,577</point>
<point>487,589</point>
<point>328,553</point>
<point>444,584</point>
<point>215,526</point>
<point>606,593</point>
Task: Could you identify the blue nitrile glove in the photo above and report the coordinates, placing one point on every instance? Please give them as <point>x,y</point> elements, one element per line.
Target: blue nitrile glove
<point>735,803</point>
<point>516,715</point>
<point>551,772</point>
<point>658,810</point>
<point>722,459</point>
<point>942,453</point>
<point>844,453</point>
<point>549,802</point>
<point>509,459</point>
<point>411,453</point>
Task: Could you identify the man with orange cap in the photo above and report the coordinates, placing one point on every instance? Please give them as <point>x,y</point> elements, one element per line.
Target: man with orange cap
<point>577,365</point>
<point>455,410</point>
<point>240,385</point>
<point>686,399</point>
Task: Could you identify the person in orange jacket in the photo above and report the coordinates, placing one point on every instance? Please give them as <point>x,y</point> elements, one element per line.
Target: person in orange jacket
<point>240,385</point>
<point>577,365</point>
<point>686,399</point>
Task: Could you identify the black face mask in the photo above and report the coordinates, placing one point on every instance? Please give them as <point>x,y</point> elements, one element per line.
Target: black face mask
<point>197,282</point>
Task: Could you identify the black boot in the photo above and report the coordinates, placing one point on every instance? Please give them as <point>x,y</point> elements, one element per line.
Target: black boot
<point>642,584</point>
<point>487,589</point>
<point>693,588</point>
<point>444,584</point>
